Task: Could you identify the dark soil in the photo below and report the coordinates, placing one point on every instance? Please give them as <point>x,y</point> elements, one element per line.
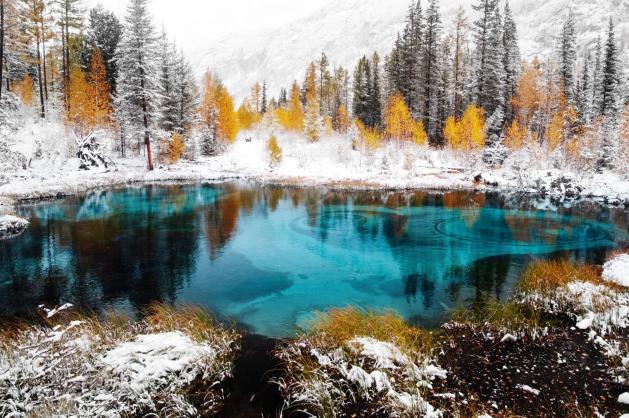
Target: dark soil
<point>250,395</point>
<point>571,373</point>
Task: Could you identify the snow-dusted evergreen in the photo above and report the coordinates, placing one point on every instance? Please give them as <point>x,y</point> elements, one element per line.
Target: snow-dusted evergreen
<point>138,83</point>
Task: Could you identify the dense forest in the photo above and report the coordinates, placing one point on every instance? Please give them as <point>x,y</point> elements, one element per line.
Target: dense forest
<point>460,85</point>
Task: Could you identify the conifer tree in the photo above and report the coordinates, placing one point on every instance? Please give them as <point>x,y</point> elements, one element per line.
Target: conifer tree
<point>32,12</point>
<point>263,99</point>
<point>70,18</point>
<point>489,69</point>
<point>568,58</point>
<point>430,68</point>
<point>409,84</point>
<point>104,32</point>
<point>458,61</point>
<point>511,59</point>
<point>137,97</point>
<point>610,100</point>
<point>375,96</point>
<point>168,106</point>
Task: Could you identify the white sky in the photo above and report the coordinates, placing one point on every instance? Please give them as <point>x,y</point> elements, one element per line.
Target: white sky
<point>192,23</point>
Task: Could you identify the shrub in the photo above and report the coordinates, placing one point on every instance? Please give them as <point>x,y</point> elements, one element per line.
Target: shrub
<point>275,152</point>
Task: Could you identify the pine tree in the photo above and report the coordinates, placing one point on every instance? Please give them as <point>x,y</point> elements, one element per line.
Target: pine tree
<point>410,53</point>
<point>264,100</point>
<point>430,68</point>
<point>489,69</point>
<point>104,32</point>
<point>362,79</point>
<point>137,97</point>
<point>511,60</point>
<point>458,62</point>
<point>568,58</point>
<point>168,106</point>
<point>597,79</point>
<point>610,100</point>
<point>374,99</point>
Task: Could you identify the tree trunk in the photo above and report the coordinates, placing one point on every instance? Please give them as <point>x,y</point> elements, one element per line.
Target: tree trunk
<point>39,77</point>
<point>147,137</point>
<point>1,44</point>
<point>64,64</point>
<point>44,55</point>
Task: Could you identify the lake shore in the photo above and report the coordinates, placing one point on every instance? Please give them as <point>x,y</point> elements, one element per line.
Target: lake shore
<point>31,185</point>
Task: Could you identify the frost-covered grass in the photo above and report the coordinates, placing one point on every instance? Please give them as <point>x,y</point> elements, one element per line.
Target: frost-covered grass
<point>170,364</point>
<point>358,362</point>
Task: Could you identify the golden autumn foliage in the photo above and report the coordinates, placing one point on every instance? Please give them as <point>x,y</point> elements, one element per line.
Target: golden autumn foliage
<point>516,135</point>
<point>528,95</point>
<point>217,109</point>
<point>247,117</point>
<point>176,147</point>
<point>89,97</point>
<point>99,89</point>
<point>25,90</point>
<point>80,113</point>
<point>292,118</point>
<point>467,133</point>
<point>342,122</point>
<point>329,129</point>
<point>371,138</point>
<point>554,131</point>
<point>399,123</point>
<point>275,152</point>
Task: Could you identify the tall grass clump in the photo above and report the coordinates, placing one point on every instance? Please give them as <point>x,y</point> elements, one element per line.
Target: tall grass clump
<point>545,277</point>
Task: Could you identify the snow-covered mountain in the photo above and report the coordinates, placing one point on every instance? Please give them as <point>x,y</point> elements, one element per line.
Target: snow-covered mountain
<point>347,29</point>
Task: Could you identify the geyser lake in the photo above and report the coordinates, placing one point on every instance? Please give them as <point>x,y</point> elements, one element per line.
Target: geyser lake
<point>269,257</point>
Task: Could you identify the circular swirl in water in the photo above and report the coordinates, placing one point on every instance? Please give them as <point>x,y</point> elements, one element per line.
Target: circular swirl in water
<point>523,229</point>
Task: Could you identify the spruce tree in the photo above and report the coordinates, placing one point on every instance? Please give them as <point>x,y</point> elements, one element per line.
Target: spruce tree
<point>137,97</point>
<point>568,58</point>
<point>489,75</point>
<point>264,100</point>
<point>610,109</point>
<point>430,68</point>
<point>104,32</point>
<point>375,97</point>
<point>511,60</point>
<point>168,106</point>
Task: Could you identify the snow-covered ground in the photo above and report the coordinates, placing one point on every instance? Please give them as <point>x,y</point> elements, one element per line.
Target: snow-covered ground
<point>84,367</point>
<point>330,162</point>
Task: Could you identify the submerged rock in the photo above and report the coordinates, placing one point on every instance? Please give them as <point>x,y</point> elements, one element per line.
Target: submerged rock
<point>12,226</point>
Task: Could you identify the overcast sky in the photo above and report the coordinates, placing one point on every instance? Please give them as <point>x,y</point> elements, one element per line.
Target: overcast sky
<point>195,22</point>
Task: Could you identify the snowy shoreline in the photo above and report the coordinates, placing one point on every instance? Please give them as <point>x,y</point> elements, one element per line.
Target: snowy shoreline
<point>21,188</point>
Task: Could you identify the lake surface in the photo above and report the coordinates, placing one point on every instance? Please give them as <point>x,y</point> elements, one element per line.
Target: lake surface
<point>268,257</point>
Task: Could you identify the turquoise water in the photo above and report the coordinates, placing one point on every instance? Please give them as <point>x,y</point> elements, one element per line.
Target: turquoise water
<point>268,257</point>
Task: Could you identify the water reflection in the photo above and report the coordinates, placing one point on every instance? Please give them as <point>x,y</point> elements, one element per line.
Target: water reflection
<point>269,256</point>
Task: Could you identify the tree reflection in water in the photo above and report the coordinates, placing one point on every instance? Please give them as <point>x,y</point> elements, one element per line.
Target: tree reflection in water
<point>267,255</point>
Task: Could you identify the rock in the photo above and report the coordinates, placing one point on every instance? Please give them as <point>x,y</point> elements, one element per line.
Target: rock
<point>12,226</point>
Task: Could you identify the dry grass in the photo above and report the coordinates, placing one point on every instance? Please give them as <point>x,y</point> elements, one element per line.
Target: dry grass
<point>507,316</point>
<point>42,362</point>
<point>338,326</point>
<point>545,277</point>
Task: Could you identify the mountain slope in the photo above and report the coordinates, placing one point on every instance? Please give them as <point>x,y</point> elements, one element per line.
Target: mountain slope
<point>347,29</point>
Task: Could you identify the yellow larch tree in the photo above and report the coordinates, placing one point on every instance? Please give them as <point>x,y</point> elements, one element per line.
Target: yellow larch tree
<point>467,133</point>
<point>342,121</point>
<point>80,112</point>
<point>217,109</point>
<point>247,117</point>
<point>25,90</point>
<point>99,89</point>
<point>516,135</point>
<point>292,118</point>
<point>227,122</point>
<point>399,123</point>
<point>312,118</point>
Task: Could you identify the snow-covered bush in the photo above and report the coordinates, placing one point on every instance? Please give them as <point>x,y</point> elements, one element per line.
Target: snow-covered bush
<point>171,364</point>
<point>91,153</point>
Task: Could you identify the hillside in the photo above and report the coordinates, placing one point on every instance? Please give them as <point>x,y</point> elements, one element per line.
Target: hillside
<point>346,30</point>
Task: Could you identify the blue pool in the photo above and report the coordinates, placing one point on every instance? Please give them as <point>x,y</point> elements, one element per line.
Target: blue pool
<point>268,257</point>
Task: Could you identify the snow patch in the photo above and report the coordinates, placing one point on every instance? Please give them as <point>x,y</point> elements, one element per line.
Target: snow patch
<point>12,226</point>
<point>617,270</point>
